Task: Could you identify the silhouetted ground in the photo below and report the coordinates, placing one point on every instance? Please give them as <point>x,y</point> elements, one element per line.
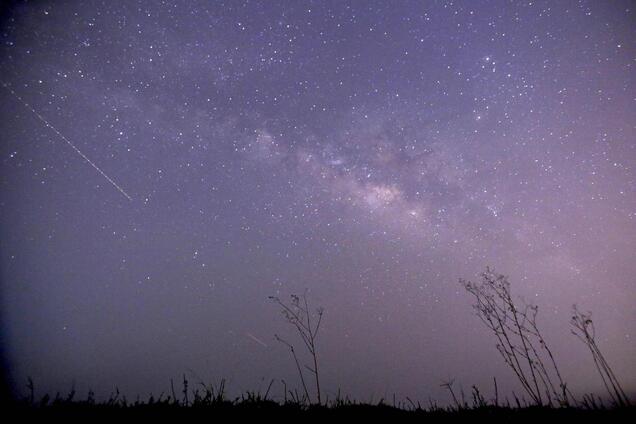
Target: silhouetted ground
<point>266,409</point>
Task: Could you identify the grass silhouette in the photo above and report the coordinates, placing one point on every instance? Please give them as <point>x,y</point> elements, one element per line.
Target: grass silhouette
<point>524,348</point>
<point>210,401</point>
<point>519,342</point>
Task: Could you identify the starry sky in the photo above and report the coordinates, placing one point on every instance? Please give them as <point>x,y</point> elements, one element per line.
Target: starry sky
<point>167,166</point>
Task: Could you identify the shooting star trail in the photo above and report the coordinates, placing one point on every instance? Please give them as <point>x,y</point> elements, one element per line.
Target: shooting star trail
<point>79,152</point>
<point>257,340</point>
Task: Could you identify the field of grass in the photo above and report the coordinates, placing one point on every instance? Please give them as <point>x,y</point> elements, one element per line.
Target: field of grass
<point>545,393</point>
<point>214,404</point>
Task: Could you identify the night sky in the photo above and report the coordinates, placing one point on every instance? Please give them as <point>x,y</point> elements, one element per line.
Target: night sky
<point>165,167</point>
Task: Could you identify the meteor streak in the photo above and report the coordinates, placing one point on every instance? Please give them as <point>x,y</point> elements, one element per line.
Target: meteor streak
<point>49,125</point>
<point>257,340</point>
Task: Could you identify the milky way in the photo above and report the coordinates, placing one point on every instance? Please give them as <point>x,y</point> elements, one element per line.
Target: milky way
<point>371,153</point>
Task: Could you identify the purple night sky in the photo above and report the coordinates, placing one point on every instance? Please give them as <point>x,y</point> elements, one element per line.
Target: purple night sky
<point>371,152</point>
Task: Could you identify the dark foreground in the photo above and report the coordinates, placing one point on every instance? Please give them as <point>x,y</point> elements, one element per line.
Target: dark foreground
<point>265,409</point>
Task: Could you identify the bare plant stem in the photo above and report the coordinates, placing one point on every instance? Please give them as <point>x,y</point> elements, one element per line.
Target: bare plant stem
<point>300,371</point>
<point>583,329</point>
<point>520,342</point>
<point>298,314</point>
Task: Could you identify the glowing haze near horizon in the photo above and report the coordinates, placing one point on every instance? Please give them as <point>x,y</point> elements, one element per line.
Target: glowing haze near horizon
<point>372,153</point>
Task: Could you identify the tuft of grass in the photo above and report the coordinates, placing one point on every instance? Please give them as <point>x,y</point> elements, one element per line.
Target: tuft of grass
<point>208,401</point>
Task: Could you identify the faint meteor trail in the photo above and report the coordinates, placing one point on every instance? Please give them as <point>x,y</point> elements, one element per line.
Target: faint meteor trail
<point>46,123</point>
<point>257,340</point>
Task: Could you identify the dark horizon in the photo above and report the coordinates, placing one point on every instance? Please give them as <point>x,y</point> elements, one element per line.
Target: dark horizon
<point>166,168</point>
